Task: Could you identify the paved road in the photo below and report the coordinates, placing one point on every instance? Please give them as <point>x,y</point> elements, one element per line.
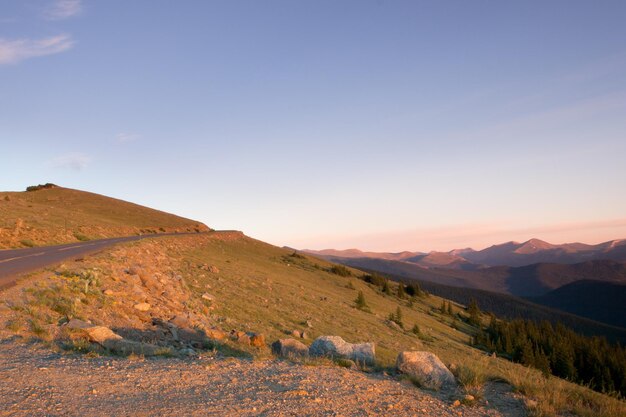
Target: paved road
<point>14,262</point>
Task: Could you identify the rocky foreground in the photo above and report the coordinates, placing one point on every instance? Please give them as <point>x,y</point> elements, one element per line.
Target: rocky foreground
<point>36,381</point>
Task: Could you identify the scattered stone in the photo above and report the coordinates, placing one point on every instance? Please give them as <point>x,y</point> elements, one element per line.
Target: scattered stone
<point>187,352</point>
<point>127,347</point>
<point>335,346</point>
<point>142,306</point>
<point>456,403</point>
<point>208,297</point>
<point>530,403</point>
<point>290,348</point>
<point>240,337</point>
<point>108,292</point>
<point>180,321</point>
<point>215,334</point>
<point>393,325</point>
<point>309,324</point>
<point>296,393</point>
<point>192,336</point>
<point>469,398</point>
<point>426,368</point>
<point>111,340</point>
<point>257,339</point>
<point>297,334</point>
<point>78,324</point>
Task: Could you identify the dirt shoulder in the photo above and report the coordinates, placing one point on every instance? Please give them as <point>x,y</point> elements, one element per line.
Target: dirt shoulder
<point>36,381</point>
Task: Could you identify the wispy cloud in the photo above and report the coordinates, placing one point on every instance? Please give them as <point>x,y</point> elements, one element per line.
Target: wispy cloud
<point>16,50</point>
<point>63,9</point>
<point>76,161</point>
<point>127,137</point>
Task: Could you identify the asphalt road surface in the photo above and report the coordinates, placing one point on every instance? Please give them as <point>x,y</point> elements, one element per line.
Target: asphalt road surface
<point>14,262</point>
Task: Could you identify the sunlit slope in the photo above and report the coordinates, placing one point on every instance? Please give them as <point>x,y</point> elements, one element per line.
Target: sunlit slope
<point>264,288</point>
<point>227,281</point>
<point>62,215</point>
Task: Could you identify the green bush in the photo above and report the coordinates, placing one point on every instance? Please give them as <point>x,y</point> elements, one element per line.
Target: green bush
<point>340,270</point>
<point>40,186</point>
<point>81,237</point>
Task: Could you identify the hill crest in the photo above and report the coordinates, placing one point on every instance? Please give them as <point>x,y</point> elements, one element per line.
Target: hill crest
<point>51,214</point>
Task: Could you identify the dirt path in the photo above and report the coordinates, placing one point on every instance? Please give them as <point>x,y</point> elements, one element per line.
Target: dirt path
<point>35,381</point>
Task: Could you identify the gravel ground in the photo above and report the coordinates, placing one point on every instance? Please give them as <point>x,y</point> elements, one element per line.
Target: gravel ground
<point>35,381</point>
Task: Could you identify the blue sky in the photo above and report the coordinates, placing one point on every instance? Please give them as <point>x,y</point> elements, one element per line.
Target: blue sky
<point>383,125</point>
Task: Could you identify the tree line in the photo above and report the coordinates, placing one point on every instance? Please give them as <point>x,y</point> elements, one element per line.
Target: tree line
<point>559,351</point>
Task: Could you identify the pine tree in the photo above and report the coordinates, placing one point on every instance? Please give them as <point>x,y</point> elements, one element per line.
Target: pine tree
<point>401,293</point>
<point>413,290</point>
<point>399,317</point>
<point>360,302</point>
<point>442,309</point>
<point>416,329</point>
<point>450,312</point>
<point>474,313</point>
<point>386,287</point>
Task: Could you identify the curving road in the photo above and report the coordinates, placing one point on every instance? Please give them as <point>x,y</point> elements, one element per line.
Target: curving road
<point>14,262</point>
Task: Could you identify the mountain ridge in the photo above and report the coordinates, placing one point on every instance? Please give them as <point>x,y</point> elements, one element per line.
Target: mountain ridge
<point>510,253</point>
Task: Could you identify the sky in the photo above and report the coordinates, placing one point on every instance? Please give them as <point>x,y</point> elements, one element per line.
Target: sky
<point>379,125</point>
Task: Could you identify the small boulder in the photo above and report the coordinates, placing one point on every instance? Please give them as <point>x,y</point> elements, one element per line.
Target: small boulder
<point>426,368</point>
<point>111,340</point>
<point>393,325</point>
<point>289,348</point>
<point>363,353</point>
<point>240,337</point>
<point>215,334</point>
<point>101,334</point>
<point>180,321</point>
<point>142,306</point>
<point>97,334</point>
<point>208,297</point>
<point>336,347</point>
<point>78,324</point>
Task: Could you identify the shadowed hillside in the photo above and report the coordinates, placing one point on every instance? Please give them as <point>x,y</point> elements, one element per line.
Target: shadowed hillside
<point>530,280</point>
<point>597,300</point>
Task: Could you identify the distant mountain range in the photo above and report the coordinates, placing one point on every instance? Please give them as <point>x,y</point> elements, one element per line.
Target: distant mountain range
<point>586,280</point>
<point>523,281</point>
<point>506,254</point>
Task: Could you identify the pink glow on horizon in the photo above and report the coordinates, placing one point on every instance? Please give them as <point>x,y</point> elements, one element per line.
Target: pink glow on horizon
<point>476,236</point>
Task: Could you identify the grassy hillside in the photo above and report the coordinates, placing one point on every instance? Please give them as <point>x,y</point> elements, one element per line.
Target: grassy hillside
<point>61,215</point>
<point>252,286</point>
<point>503,305</point>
